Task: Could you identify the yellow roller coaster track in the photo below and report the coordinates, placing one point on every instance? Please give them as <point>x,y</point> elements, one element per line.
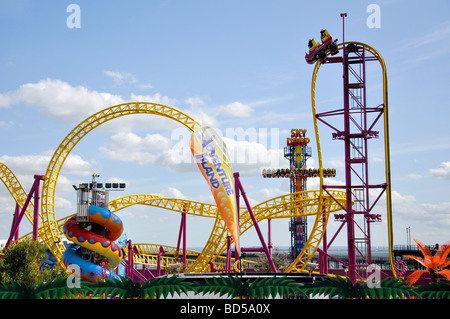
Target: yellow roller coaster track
<point>147,254</point>
<point>386,139</point>
<point>285,206</point>
<point>51,235</point>
<point>16,190</point>
<point>289,205</point>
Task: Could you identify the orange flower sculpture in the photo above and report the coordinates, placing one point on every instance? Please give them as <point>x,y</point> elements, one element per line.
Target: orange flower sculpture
<point>435,264</point>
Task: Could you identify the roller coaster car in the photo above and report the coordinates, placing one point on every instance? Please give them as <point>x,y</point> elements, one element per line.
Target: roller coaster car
<point>320,51</point>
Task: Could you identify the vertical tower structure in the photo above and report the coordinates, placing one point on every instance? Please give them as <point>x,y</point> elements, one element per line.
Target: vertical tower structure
<point>297,152</point>
<point>95,194</point>
<point>356,128</point>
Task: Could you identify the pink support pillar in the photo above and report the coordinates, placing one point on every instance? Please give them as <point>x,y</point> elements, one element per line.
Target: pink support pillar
<point>182,233</point>
<point>158,267</point>
<point>129,270</point>
<point>212,267</point>
<point>323,256</point>
<point>269,235</point>
<point>240,189</point>
<point>15,226</point>
<point>236,252</point>
<point>228,262</point>
<point>36,193</point>
<point>16,216</point>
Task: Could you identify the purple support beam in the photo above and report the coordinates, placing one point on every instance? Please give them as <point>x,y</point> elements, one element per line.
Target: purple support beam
<point>158,267</point>
<point>351,244</point>
<point>269,235</point>
<point>240,189</point>
<point>16,222</point>
<point>323,265</point>
<point>212,266</point>
<point>182,234</point>
<point>129,270</point>
<point>228,263</point>
<point>36,193</point>
<point>355,134</point>
<point>16,216</point>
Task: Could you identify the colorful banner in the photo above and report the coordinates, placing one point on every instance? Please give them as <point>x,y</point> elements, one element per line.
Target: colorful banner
<point>210,153</point>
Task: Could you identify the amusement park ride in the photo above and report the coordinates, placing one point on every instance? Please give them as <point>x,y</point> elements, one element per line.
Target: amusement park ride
<point>96,225</point>
<point>297,152</point>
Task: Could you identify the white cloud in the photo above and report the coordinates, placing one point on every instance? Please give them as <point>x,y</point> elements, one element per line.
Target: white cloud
<point>271,192</point>
<point>247,157</point>
<point>236,109</point>
<point>145,86</point>
<point>7,206</point>
<point>129,147</point>
<point>121,77</point>
<point>38,163</point>
<point>407,209</point>
<point>155,98</point>
<point>64,206</point>
<point>6,124</point>
<point>60,100</point>
<point>171,192</point>
<point>196,110</point>
<point>72,104</point>
<point>443,171</point>
<point>251,157</point>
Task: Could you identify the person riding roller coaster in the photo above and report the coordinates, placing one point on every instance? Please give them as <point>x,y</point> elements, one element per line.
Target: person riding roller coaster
<point>320,51</point>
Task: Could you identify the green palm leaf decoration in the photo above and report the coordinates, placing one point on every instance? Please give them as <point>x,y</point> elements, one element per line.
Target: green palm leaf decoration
<point>234,286</point>
<point>439,290</point>
<point>165,285</point>
<point>13,290</point>
<point>273,286</point>
<point>223,285</point>
<point>120,288</point>
<point>390,289</point>
<point>332,287</point>
<point>345,289</point>
<point>57,288</point>
<point>125,288</point>
<point>54,289</point>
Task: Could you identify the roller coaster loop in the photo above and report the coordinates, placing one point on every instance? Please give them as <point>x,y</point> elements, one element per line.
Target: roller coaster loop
<point>289,205</point>
<point>51,235</point>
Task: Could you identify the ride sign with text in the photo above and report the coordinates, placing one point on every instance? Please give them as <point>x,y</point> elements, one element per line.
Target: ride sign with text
<point>298,138</point>
<point>211,156</point>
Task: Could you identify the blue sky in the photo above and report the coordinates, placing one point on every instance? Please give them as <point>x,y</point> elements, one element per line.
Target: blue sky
<point>236,65</point>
